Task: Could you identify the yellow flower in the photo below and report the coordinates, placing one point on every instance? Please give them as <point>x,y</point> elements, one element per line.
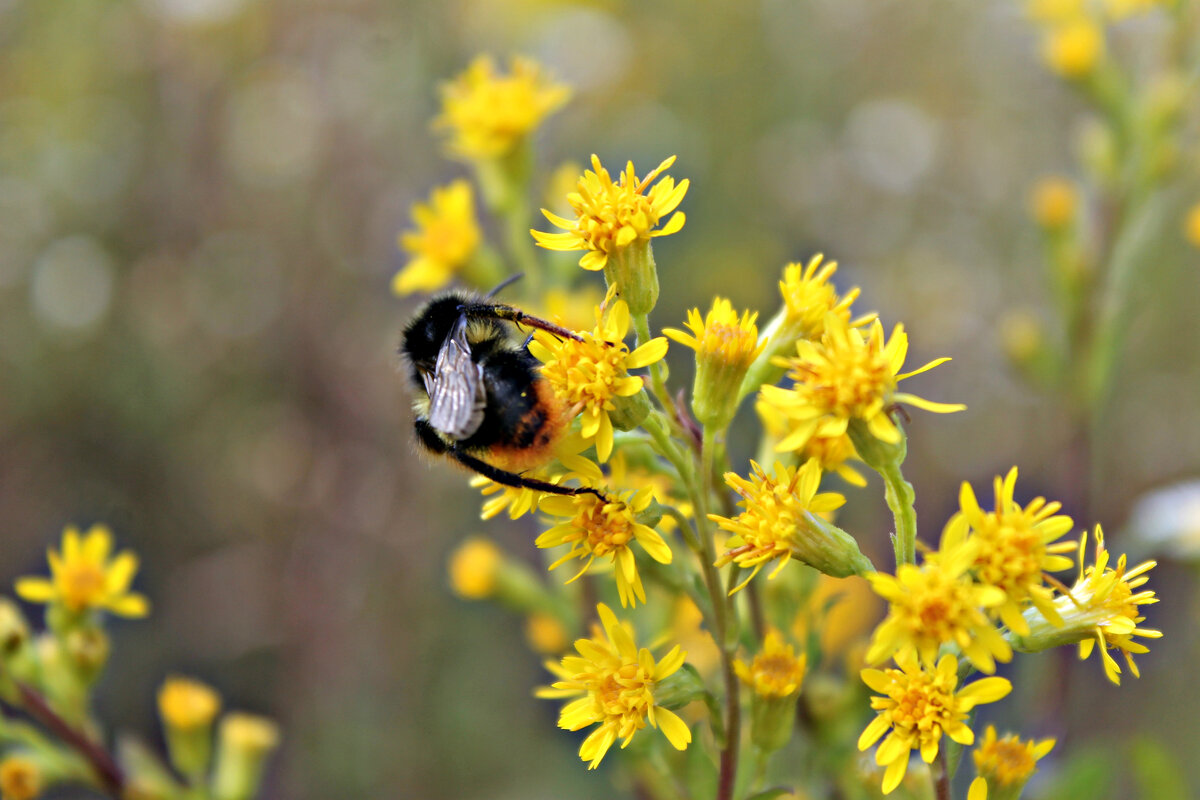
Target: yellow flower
<point>244,741</point>
<point>1015,548</point>
<point>1103,600</point>
<point>725,347</point>
<point>919,707</point>
<point>488,114</point>
<point>780,521</point>
<point>1191,225</point>
<point>831,452</point>
<point>687,628</point>
<point>935,604</point>
<point>1004,765</point>
<point>611,216</point>
<point>546,633</point>
<point>574,309</point>
<point>1074,48</point>
<point>446,237</point>
<point>590,373</point>
<point>1121,9</point>
<point>596,528</point>
<point>1053,203</point>
<point>20,778</point>
<point>82,577</point>
<point>846,376</point>
<point>187,704</point>
<point>614,683</point>
<point>474,567</point>
<point>516,500</point>
<point>808,297</point>
<point>776,671</point>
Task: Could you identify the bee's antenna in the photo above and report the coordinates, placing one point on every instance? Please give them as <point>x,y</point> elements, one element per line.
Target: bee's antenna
<point>504,284</point>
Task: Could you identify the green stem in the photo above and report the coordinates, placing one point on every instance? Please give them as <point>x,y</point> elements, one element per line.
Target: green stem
<point>658,377</point>
<point>886,459</point>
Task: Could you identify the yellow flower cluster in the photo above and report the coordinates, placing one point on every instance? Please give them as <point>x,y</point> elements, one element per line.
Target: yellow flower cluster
<point>83,578</point>
<point>446,238</point>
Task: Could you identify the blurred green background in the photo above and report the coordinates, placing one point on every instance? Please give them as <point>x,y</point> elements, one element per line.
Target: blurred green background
<point>199,201</point>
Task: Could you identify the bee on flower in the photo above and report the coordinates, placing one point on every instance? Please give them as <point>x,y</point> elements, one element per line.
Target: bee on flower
<point>592,373</point>
<point>614,684</point>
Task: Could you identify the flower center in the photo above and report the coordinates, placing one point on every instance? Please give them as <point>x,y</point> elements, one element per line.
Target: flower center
<point>1009,761</point>
<point>1012,555</point>
<point>607,526</point>
<point>81,583</point>
<point>587,372</point>
<point>848,381</point>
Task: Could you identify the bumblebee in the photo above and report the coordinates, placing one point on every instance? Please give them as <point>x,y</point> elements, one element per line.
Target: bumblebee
<point>480,397</point>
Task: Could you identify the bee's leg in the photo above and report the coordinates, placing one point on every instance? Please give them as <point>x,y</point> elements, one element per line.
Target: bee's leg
<point>506,478</point>
<point>517,316</point>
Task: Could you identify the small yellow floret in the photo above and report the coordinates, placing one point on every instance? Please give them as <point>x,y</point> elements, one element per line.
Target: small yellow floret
<point>725,347</point>
<point>82,576</point>
<point>487,113</point>
<point>612,215</point>
<point>808,297</point>
<point>20,778</point>
<point>187,704</point>
<point>776,671</point>
<point>1053,203</point>
<point>919,707</point>
<point>473,568</point>
<point>613,683</point>
<point>546,634</point>
<point>1010,761</point>
<point>1075,48</point>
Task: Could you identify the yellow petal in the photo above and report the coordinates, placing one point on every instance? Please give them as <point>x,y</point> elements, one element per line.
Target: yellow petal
<point>35,590</point>
<point>676,730</point>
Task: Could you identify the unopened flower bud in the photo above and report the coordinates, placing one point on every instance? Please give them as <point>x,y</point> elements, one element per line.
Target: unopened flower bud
<point>725,346</point>
<point>244,743</point>
<point>187,709</point>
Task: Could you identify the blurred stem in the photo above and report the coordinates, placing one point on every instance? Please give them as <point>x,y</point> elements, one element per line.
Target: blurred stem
<point>105,767</point>
<point>941,777</point>
<point>505,185</point>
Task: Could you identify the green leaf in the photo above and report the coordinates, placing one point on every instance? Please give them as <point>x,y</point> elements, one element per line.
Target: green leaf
<point>1156,771</point>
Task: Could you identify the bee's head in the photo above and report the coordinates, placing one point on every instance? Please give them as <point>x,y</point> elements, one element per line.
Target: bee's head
<point>423,337</point>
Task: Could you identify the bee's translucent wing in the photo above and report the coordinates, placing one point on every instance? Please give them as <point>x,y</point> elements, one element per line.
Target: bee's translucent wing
<point>457,395</point>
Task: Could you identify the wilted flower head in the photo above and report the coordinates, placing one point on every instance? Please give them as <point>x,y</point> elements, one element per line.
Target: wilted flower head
<point>487,113</point>
<point>614,683</point>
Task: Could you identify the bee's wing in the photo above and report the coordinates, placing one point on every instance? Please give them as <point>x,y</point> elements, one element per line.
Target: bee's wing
<point>457,395</point>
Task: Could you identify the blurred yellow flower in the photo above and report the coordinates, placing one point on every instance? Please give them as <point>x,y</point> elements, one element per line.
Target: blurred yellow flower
<point>596,528</point>
<point>1121,9</point>
<point>919,707</point>
<point>187,704</point>
<point>446,238</point>
<point>614,683</point>
<point>1074,48</point>
<point>845,376</point>
<point>780,521</point>
<point>1055,11</point>
<point>725,347</point>
<point>20,778</point>
<point>473,568</point>
<point>589,373</point>
<point>1191,225</point>
<point>546,634</point>
<point>82,577</point>
<point>1053,202</point>
<point>1005,764</point>
<point>1015,548</point>
<point>487,114</point>
<point>935,604</point>
<point>775,671</point>
<point>611,216</point>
